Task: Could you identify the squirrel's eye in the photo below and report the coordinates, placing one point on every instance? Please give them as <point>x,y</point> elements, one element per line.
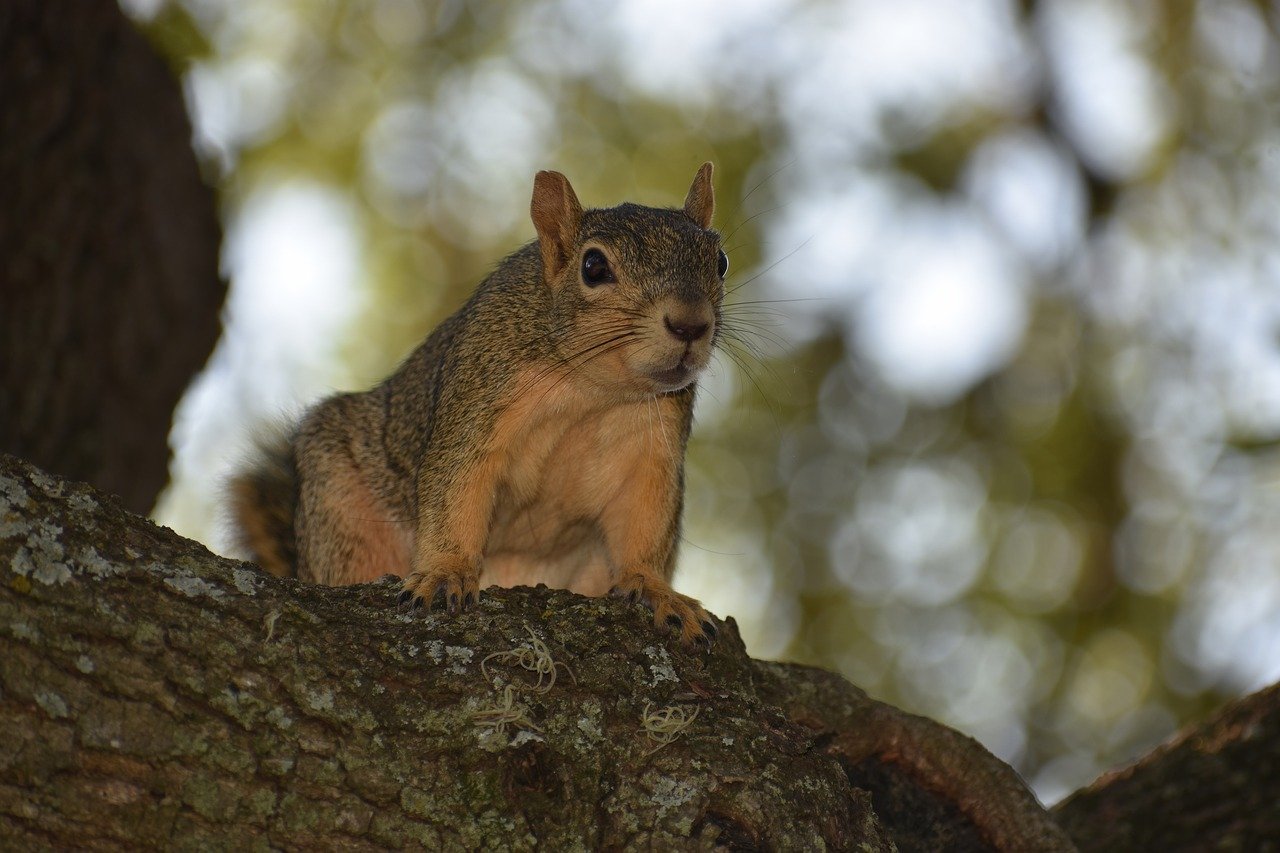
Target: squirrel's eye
<point>722,265</point>
<point>595,268</point>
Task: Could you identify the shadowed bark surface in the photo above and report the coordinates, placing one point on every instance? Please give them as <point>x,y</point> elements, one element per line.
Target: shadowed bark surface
<point>108,247</point>
<point>153,693</point>
<point>1214,786</point>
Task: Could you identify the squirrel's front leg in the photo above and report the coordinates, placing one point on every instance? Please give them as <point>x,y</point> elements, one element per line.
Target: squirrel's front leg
<point>641,529</point>
<point>453,527</point>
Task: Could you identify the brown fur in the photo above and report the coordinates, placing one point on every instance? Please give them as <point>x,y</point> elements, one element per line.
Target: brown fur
<point>264,501</point>
<point>537,435</point>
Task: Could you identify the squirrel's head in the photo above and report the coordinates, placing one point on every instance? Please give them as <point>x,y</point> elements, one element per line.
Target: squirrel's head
<point>636,290</point>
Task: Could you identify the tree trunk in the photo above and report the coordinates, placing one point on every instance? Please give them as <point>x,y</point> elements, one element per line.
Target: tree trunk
<point>154,694</point>
<point>108,247</point>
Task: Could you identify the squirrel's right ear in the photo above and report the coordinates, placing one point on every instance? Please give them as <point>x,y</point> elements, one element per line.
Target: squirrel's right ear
<point>556,214</point>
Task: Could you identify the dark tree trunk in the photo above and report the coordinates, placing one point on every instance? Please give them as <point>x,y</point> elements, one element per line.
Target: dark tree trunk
<point>109,287</point>
<point>153,694</point>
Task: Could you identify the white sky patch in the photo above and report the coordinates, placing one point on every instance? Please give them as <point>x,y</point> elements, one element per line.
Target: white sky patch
<point>936,299</point>
<point>142,10</point>
<point>234,103</point>
<point>293,258</point>
<point>1233,639</point>
<point>921,524</point>
<point>1113,104</point>
<point>1236,36</point>
<point>1032,192</point>
<point>948,308</point>
<point>851,64</point>
<point>829,236</point>
<point>464,161</point>
<point>688,49</point>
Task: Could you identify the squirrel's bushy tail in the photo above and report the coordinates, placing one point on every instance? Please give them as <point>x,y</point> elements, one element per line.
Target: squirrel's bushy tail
<point>264,501</point>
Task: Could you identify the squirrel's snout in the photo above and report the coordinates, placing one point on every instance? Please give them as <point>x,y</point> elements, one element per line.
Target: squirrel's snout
<point>687,329</point>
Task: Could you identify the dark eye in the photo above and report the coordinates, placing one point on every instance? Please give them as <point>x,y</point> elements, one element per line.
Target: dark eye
<point>595,268</point>
<point>722,264</point>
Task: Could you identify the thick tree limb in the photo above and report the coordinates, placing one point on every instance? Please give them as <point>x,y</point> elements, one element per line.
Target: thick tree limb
<point>155,694</point>
<point>1214,786</point>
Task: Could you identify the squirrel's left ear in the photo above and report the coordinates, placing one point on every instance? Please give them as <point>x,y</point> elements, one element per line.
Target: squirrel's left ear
<point>700,203</point>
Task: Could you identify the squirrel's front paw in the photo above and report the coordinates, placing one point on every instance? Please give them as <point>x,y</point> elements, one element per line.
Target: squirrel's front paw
<point>449,582</point>
<point>671,610</point>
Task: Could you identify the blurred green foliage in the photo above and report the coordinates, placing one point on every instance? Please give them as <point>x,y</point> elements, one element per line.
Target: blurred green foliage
<point>1044,552</point>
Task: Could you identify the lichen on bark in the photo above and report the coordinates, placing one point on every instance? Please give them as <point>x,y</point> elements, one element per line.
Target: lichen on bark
<point>156,694</point>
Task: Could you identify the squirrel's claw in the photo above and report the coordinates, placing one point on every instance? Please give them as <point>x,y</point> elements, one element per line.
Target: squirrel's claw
<point>671,610</point>
<point>408,602</point>
<point>451,587</point>
<point>632,596</point>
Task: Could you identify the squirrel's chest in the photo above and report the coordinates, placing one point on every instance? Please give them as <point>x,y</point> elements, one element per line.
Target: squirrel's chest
<point>563,467</point>
<point>573,463</point>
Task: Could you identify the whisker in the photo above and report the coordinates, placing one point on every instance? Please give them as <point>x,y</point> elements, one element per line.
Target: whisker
<point>769,177</point>
<point>752,218</point>
<point>773,413</point>
<point>769,268</point>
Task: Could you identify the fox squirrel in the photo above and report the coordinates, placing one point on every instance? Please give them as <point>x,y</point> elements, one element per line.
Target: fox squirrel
<point>536,436</point>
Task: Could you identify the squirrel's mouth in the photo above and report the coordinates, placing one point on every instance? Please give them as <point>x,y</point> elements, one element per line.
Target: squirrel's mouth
<point>673,378</point>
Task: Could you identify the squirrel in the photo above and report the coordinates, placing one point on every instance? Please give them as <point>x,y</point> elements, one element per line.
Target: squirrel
<point>536,436</point>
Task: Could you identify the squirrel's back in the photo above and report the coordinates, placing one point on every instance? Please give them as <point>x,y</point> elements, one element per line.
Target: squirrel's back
<point>264,501</point>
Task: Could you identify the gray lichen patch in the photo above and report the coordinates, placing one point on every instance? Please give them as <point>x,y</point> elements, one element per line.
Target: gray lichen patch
<point>590,726</point>
<point>93,563</point>
<point>246,581</point>
<point>24,630</point>
<point>11,524</point>
<point>42,558</point>
<point>670,794</point>
<point>45,483</point>
<point>320,700</point>
<point>47,572</point>
<point>52,704</point>
<point>13,495</point>
<point>195,587</point>
<point>84,505</point>
<point>458,657</point>
<point>661,668</point>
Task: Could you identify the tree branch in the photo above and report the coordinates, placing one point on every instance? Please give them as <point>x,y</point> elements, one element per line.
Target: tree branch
<point>154,691</point>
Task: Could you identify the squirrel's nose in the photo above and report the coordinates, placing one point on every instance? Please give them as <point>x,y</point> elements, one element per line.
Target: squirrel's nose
<point>685,329</point>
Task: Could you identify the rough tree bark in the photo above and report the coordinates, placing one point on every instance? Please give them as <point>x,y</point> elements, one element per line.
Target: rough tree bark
<point>155,694</point>
<point>1214,786</point>
<point>109,287</point>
